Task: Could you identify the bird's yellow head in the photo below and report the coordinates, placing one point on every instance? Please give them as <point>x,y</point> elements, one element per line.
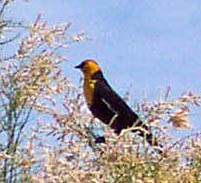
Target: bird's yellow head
<point>89,67</point>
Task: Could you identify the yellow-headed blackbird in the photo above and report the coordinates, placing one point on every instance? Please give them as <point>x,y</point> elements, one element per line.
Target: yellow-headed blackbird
<point>107,105</point>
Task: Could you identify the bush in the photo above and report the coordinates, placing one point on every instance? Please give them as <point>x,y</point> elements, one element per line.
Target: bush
<point>48,134</point>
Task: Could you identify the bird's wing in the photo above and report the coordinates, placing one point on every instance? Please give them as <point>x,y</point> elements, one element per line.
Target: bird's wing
<point>111,98</point>
<point>118,105</point>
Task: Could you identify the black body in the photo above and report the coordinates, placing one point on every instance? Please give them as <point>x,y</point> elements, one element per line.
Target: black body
<point>111,109</point>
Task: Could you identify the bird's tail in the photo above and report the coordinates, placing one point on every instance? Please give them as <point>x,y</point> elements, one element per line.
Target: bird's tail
<point>149,137</point>
<point>154,142</point>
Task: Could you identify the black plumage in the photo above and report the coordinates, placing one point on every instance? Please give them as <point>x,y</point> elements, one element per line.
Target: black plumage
<point>111,109</point>
<point>108,106</point>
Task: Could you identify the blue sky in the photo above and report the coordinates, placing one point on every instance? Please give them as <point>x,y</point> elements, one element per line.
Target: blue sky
<point>145,44</point>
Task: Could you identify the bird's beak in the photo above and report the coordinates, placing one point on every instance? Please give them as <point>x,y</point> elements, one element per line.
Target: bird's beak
<point>78,66</point>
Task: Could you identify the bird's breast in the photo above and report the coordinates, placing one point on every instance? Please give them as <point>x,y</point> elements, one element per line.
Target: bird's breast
<point>89,89</point>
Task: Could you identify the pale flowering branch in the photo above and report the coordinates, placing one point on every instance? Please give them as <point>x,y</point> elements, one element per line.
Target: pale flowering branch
<point>42,36</point>
<point>8,26</point>
<point>31,81</point>
<point>172,111</point>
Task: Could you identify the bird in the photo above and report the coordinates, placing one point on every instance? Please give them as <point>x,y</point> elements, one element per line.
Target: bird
<point>106,105</point>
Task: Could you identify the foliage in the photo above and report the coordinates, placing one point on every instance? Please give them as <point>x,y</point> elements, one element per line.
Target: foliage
<point>48,134</point>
